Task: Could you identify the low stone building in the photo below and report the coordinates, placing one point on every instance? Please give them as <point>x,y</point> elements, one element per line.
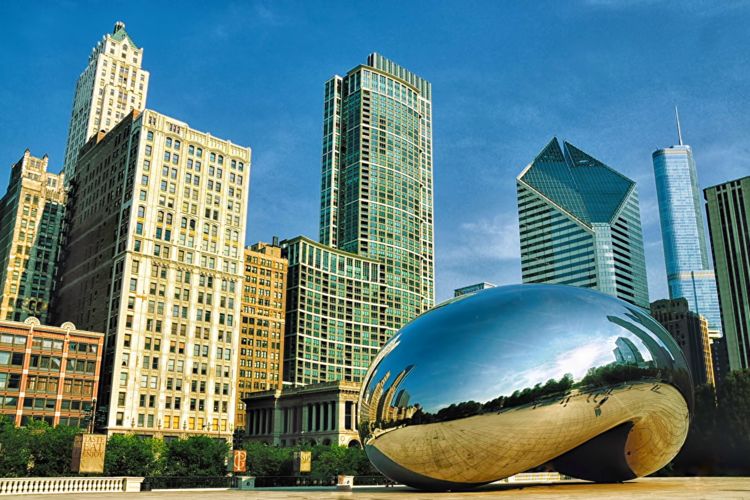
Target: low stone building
<point>324,413</point>
<point>48,373</point>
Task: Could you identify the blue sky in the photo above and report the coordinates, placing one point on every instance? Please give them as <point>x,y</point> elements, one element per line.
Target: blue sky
<point>507,76</point>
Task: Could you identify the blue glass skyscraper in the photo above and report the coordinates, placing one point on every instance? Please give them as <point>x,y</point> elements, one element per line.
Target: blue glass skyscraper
<point>685,250</point>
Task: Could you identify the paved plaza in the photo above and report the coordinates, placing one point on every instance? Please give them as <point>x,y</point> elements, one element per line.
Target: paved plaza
<point>651,488</point>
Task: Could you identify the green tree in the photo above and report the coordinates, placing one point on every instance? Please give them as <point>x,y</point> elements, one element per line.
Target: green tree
<point>265,460</point>
<point>733,418</point>
<point>51,448</point>
<point>14,450</point>
<point>700,454</point>
<point>330,461</point>
<point>196,456</point>
<point>130,455</point>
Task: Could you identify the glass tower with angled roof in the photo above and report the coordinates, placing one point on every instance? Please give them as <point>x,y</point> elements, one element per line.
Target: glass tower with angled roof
<point>686,256</point>
<point>112,85</point>
<point>580,224</point>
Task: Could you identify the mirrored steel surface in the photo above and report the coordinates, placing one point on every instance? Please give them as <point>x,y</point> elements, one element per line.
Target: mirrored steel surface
<point>512,378</point>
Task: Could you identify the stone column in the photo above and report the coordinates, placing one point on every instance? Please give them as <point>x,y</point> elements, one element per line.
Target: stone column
<point>339,423</point>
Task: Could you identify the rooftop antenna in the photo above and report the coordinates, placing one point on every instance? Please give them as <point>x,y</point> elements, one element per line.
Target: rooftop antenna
<point>679,130</point>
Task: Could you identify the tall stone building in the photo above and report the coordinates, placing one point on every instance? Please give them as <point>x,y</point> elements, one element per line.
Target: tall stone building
<point>728,207</point>
<point>261,351</point>
<point>154,259</point>
<point>112,85</point>
<point>31,216</point>
<point>686,254</point>
<point>373,269</point>
<point>580,225</point>
<point>690,331</point>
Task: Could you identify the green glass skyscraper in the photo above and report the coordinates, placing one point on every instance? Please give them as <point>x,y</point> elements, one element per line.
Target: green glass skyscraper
<point>376,194</point>
<point>580,225</point>
<point>372,271</point>
<point>728,207</point>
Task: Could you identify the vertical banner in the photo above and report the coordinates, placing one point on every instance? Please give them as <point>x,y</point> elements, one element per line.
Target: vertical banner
<point>88,453</point>
<point>302,461</point>
<point>240,461</point>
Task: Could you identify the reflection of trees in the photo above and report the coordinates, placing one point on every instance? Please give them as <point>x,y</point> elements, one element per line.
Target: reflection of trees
<point>552,390</point>
<point>618,373</point>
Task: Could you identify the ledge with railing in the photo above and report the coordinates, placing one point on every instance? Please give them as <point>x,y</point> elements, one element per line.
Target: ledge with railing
<point>52,485</point>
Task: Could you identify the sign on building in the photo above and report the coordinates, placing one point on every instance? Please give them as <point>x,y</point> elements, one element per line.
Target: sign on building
<point>302,461</point>
<point>88,453</point>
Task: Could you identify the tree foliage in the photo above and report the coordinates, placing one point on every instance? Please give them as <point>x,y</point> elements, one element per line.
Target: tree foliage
<point>327,461</point>
<point>14,451</point>
<point>718,442</point>
<point>196,456</point>
<point>37,449</point>
<point>130,455</point>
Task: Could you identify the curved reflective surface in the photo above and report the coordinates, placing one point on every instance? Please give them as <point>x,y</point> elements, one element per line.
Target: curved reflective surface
<point>511,378</point>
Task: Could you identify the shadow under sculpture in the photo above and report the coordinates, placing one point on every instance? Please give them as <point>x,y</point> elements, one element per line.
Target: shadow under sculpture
<point>513,378</point>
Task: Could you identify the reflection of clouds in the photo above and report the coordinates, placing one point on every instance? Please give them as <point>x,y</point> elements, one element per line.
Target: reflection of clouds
<point>576,361</point>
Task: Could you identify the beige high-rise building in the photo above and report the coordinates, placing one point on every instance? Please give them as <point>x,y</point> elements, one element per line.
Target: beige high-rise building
<point>31,216</point>
<point>262,331</point>
<point>154,258</point>
<point>112,85</point>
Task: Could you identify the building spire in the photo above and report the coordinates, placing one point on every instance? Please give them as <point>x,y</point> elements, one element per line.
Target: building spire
<point>679,130</point>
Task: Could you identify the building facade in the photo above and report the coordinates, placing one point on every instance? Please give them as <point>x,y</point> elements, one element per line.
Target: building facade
<point>373,269</point>
<point>324,413</point>
<point>261,351</point>
<point>48,373</point>
<point>376,193</point>
<point>464,290</point>
<point>31,218</point>
<point>728,207</point>
<point>112,85</point>
<point>336,313</point>
<point>682,228</point>
<point>154,259</point>
<point>580,225</point>
<point>690,330</point>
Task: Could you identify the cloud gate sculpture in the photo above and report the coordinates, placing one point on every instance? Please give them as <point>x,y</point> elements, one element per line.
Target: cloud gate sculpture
<point>518,377</point>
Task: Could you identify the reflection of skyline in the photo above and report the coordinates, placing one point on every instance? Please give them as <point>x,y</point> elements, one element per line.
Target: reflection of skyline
<point>626,352</point>
<point>385,405</point>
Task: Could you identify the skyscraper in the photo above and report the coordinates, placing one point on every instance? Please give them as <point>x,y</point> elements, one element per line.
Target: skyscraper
<point>376,194</point>
<point>31,216</point>
<point>154,259</point>
<point>580,225</point>
<point>373,268</point>
<point>728,207</point>
<point>681,216</point>
<point>112,85</point>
